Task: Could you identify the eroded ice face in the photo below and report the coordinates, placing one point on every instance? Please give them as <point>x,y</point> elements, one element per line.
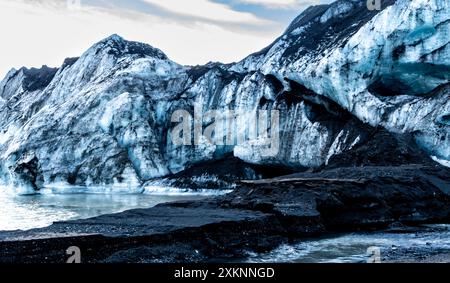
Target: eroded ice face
<point>104,119</point>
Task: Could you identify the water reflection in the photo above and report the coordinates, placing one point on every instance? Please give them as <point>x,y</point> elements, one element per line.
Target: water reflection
<point>36,211</point>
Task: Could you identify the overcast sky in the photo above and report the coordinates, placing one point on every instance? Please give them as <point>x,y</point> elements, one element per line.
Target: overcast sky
<point>190,32</point>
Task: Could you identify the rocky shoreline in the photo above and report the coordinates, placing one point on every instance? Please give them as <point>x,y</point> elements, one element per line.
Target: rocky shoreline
<point>257,217</point>
<point>385,182</point>
<point>364,111</point>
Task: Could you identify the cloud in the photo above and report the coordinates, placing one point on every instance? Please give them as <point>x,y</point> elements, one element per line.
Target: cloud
<point>281,4</point>
<point>205,9</point>
<point>36,32</point>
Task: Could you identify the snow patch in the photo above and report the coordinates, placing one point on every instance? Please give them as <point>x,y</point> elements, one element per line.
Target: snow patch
<point>443,162</point>
<point>171,191</point>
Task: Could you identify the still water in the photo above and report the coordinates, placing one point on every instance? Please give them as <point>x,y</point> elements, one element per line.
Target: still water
<point>23,212</point>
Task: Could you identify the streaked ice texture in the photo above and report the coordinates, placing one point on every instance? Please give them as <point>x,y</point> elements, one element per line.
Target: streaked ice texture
<point>104,119</point>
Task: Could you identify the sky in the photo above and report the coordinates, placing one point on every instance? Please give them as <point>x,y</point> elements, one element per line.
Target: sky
<point>191,32</point>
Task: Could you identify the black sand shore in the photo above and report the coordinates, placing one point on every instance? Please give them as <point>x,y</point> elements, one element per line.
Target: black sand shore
<point>258,216</point>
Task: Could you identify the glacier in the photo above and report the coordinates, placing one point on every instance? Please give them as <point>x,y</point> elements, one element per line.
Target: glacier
<point>338,72</point>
